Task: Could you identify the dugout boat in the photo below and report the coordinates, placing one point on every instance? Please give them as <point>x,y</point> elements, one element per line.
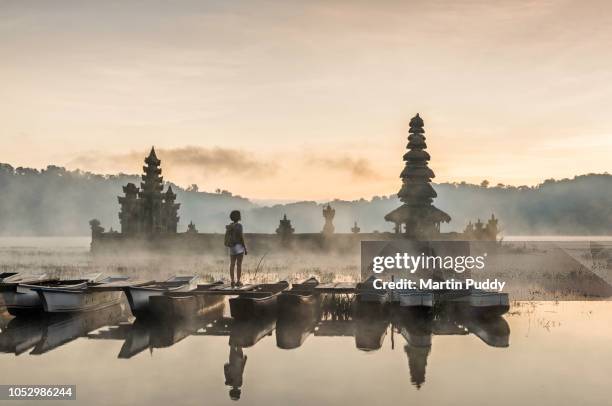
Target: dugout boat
<point>370,333</point>
<point>61,329</point>
<point>366,293</point>
<point>494,331</point>
<point>21,297</point>
<point>247,333</point>
<point>370,302</point>
<point>291,333</point>
<point>152,334</point>
<point>50,331</point>
<point>139,296</point>
<point>481,304</point>
<point>84,297</point>
<point>418,301</point>
<point>260,301</point>
<point>172,305</point>
<point>296,321</point>
<point>300,302</point>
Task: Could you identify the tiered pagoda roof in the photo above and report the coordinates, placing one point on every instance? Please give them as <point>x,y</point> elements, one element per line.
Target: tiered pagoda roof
<point>419,216</point>
<point>152,181</point>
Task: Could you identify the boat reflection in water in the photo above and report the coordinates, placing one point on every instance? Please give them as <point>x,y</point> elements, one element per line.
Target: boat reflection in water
<point>328,316</point>
<point>149,334</point>
<point>49,331</point>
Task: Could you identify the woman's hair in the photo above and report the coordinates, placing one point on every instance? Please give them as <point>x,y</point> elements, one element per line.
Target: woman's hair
<point>235,215</point>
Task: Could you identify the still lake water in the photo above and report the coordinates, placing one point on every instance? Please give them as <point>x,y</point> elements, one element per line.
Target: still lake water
<point>544,353</point>
<point>556,353</point>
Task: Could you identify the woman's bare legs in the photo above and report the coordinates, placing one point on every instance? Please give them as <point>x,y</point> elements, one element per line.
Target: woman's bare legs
<point>232,266</point>
<point>236,263</point>
<point>239,266</point>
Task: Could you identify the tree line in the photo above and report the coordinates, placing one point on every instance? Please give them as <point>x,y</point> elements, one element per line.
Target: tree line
<point>56,201</point>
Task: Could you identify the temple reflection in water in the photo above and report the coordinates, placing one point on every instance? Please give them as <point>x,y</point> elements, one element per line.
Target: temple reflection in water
<point>331,317</point>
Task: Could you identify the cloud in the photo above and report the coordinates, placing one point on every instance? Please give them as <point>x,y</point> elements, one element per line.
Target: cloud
<point>358,168</point>
<point>215,160</point>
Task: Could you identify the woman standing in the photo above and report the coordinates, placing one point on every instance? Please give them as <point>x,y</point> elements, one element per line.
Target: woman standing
<point>234,239</point>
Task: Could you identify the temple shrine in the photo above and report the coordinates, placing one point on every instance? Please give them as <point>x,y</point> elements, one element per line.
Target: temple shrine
<point>285,230</point>
<point>328,215</point>
<point>148,210</point>
<point>417,218</point>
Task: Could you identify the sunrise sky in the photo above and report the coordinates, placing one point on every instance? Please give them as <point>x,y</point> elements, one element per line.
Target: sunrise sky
<point>307,99</point>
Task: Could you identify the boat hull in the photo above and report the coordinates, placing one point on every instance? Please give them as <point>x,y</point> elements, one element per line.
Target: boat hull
<point>298,305</point>
<point>481,304</point>
<point>22,302</point>
<point>61,329</point>
<point>416,299</point>
<point>65,300</point>
<point>247,307</point>
<point>22,298</point>
<point>247,333</point>
<point>370,304</point>
<point>493,331</point>
<point>370,333</point>
<point>184,306</point>
<point>291,333</point>
<point>417,303</point>
<point>489,305</point>
<point>139,296</point>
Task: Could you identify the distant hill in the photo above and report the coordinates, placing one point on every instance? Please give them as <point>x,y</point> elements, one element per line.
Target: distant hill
<point>55,201</point>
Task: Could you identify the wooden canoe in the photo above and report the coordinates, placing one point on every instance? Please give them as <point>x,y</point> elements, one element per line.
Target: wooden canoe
<point>416,303</point>
<point>152,334</point>
<point>291,333</point>
<point>308,285</point>
<point>370,302</point>
<point>247,333</point>
<point>258,302</point>
<point>370,333</point>
<point>90,296</point>
<point>139,296</point>
<point>183,305</point>
<point>60,329</point>
<point>301,302</point>
<point>299,305</point>
<point>22,298</point>
<point>366,293</point>
<point>494,331</point>
<point>480,304</point>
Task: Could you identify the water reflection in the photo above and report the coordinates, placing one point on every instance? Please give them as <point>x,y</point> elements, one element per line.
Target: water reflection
<point>146,334</point>
<point>50,331</point>
<point>330,317</point>
<point>233,370</point>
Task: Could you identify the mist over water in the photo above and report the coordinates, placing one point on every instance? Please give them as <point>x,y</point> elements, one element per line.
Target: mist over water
<point>340,357</point>
<point>70,257</point>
